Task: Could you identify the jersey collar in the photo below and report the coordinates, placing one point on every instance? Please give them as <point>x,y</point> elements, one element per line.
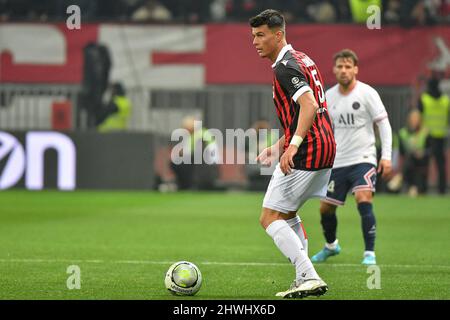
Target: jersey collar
<point>283,51</point>
<point>348,93</point>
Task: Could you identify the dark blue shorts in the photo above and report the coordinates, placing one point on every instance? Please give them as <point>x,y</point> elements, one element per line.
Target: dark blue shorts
<point>358,177</point>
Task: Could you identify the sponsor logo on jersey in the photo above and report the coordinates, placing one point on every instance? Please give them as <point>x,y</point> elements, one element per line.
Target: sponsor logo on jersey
<point>347,119</point>
<point>295,80</point>
<point>300,84</point>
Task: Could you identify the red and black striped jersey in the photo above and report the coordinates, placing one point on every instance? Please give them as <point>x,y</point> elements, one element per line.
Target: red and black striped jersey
<point>294,74</point>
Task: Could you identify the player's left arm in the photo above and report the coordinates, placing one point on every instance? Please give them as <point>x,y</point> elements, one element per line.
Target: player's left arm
<point>385,164</point>
<point>380,117</point>
<point>308,111</point>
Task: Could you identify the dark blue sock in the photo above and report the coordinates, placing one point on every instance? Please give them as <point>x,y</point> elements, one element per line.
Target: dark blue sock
<point>368,224</point>
<point>329,226</point>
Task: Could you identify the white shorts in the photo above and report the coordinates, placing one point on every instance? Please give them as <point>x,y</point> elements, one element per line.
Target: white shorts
<point>288,193</point>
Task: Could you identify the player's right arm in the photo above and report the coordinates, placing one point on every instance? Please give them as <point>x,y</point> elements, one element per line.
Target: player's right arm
<point>308,111</point>
<point>294,82</point>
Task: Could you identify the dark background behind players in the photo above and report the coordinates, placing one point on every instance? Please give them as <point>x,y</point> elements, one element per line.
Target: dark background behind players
<point>406,13</point>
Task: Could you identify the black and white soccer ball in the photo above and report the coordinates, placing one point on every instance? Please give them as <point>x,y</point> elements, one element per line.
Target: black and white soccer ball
<point>183,278</point>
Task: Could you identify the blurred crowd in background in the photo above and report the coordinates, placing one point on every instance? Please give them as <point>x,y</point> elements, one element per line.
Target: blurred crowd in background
<point>406,13</point>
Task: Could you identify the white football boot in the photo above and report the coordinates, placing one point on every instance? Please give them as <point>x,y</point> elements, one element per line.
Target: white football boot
<point>312,287</point>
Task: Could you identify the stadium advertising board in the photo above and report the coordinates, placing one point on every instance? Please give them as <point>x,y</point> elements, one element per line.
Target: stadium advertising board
<point>39,160</point>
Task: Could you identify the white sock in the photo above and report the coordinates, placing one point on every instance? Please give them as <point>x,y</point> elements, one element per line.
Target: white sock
<point>369,253</point>
<point>296,225</point>
<point>332,246</point>
<point>290,245</point>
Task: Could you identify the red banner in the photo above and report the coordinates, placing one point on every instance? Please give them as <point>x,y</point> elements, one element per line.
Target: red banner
<point>34,71</point>
<point>390,56</point>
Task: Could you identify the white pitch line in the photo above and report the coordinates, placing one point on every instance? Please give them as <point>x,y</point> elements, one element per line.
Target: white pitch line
<point>217,263</point>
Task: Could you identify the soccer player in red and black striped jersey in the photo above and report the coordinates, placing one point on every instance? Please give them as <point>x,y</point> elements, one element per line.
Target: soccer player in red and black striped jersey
<point>307,148</point>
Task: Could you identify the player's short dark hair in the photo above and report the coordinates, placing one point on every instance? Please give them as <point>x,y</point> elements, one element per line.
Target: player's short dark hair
<point>272,18</point>
<point>346,54</point>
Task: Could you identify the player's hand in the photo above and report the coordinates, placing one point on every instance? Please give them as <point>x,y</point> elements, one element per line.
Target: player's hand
<point>286,161</point>
<point>267,156</point>
<point>385,167</point>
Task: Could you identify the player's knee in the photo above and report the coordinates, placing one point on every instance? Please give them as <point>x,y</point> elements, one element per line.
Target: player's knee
<point>363,196</point>
<point>364,199</point>
<point>264,219</point>
<point>326,208</point>
<point>267,217</point>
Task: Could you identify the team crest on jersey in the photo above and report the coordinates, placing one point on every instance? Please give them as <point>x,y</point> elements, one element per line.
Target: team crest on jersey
<point>295,80</point>
<point>356,105</point>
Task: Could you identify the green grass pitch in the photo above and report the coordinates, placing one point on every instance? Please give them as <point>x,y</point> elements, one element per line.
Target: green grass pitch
<point>124,242</point>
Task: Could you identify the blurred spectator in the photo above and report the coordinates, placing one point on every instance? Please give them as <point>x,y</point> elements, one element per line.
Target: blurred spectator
<point>413,13</point>
<point>197,176</point>
<point>21,10</point>
<point>293,10</point>
<point>115,115</point>
<point>359,9</point>
<point>322,12</point>
<point>265,138</point>
<point>97,65</point>
<point>444,11</point>
<point>392,11</point>
<point>218,10</point>
<point>408,13</point>
<point>439,10</point>
<point>187,11</point>
<point>117,10</point>
<point>151,10</point>
<point>415,154</point>
<point>342,8</point>
<point>241,10</point>
<point>420,12</point>
<point>434,106</point>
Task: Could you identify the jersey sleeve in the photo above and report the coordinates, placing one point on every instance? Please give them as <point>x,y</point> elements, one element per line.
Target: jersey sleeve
<point>329,96</point>
<point>375,105</point>
<point>292,80</point>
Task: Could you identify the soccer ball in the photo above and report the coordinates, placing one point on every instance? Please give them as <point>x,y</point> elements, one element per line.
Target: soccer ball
<point>183,279</point>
